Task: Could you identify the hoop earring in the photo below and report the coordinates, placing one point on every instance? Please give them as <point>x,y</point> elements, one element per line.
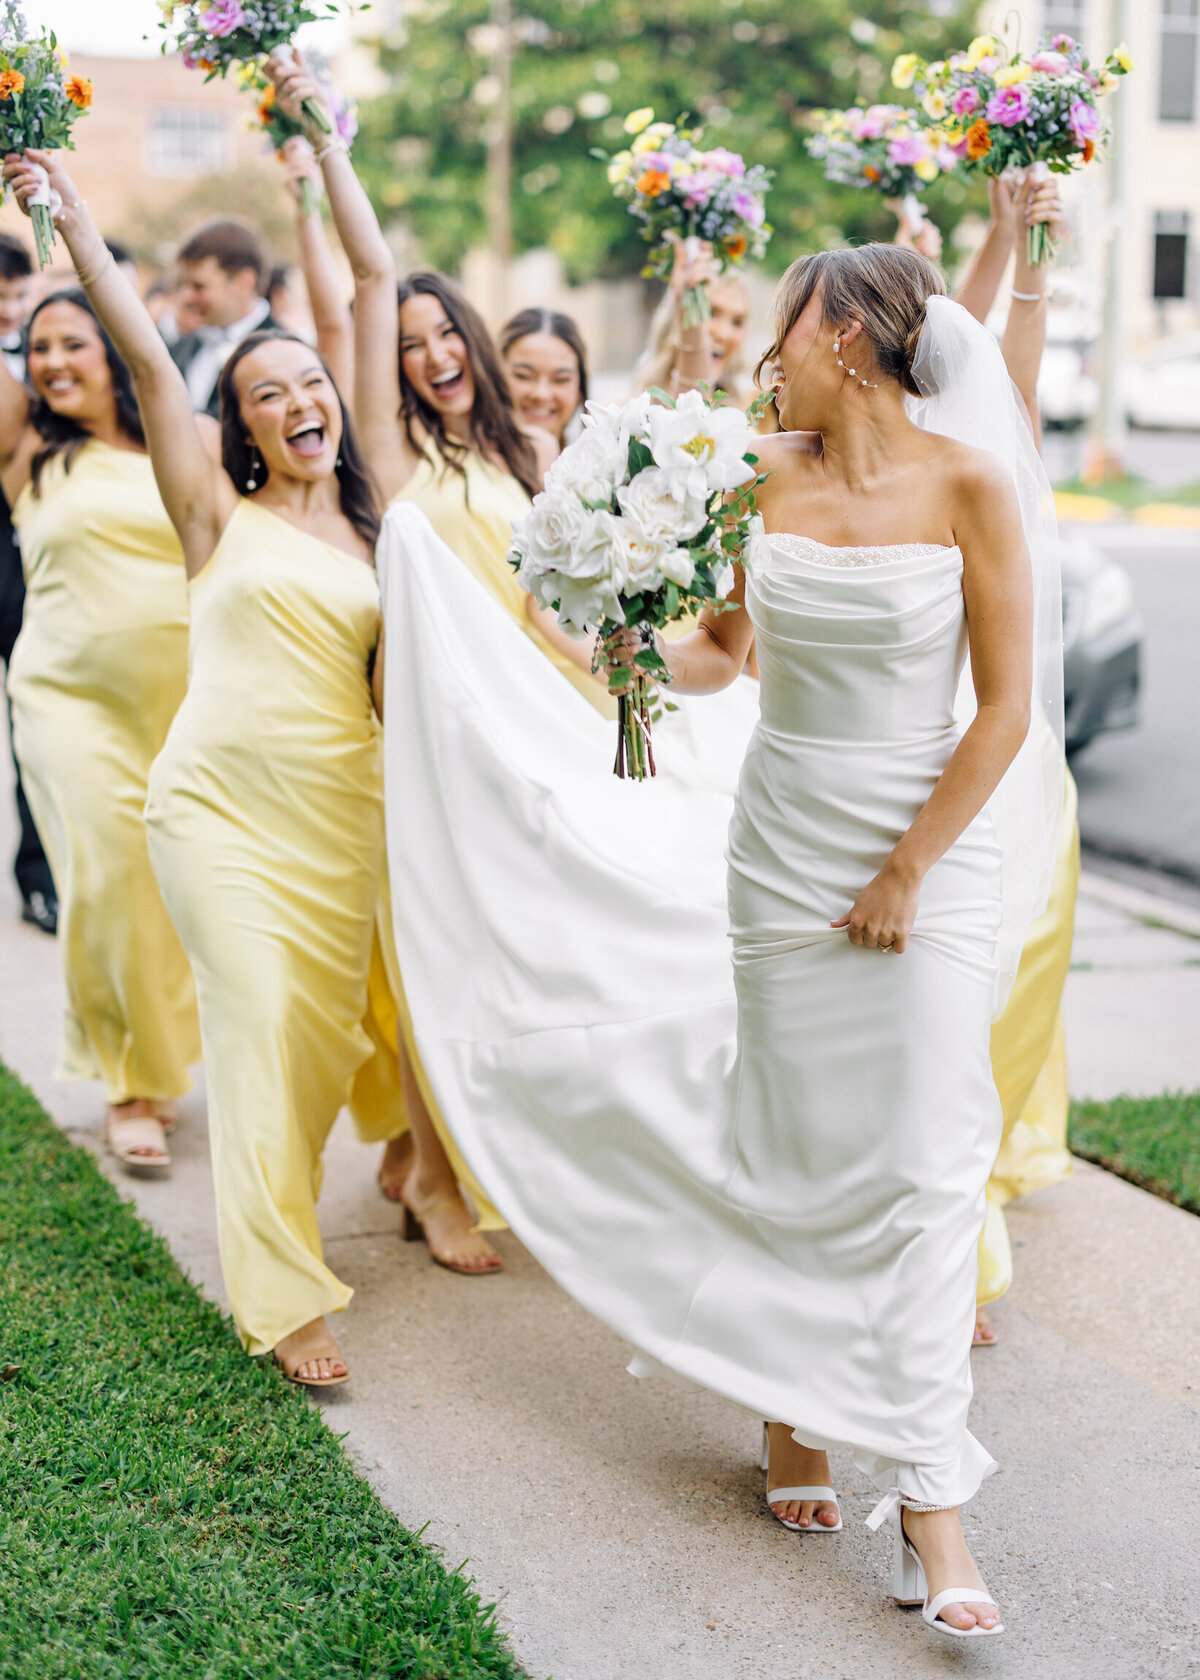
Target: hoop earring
<point>252,481</point>
<point>853,372</point>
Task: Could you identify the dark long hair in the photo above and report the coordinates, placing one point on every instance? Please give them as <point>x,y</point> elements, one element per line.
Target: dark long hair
<point>61,435</point>
<point>357,495</point>
<point>495,428</point>
<point>529,321</point>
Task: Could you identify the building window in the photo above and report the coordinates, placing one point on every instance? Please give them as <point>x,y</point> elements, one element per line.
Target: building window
<point>1171,231</point>
<point>1179,33</point>
<point>185,140</point>
<point>1063,17</point>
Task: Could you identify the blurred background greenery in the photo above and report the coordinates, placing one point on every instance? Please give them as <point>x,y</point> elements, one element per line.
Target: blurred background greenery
<point>750,70</point>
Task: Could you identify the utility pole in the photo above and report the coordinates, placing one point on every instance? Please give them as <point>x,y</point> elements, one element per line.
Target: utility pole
<point>499,156</point>
<point>1107,451</point>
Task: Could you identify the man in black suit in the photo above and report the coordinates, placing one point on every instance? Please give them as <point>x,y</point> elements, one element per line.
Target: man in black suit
<point>39,902</point>
<point>221,272</point>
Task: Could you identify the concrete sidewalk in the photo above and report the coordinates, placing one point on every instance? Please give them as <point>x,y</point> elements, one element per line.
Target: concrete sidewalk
<point>621,1525</point>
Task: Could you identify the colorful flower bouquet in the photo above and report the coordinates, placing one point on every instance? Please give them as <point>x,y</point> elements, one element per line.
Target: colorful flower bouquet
<point>637,528</point>
<point>279,128</point>
<point>217,35</point>
<point>671,185</point>
<point>1003,113</point>
<point>39,103</point>
<point>885,149</point>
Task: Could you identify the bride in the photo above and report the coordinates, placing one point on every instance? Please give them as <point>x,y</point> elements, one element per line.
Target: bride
<point>794,1228</point>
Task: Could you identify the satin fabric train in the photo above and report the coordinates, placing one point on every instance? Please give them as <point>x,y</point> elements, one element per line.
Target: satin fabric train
<point>564,944</point>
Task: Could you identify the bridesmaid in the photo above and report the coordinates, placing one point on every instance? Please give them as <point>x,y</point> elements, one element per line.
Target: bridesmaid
<point>96,676</point>
<point>265,805</point>
<point>679,357</point>
<point>546,363</point>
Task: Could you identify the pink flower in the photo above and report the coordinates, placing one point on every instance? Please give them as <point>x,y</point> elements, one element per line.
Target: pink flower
<point>699,188</point>
<point>909,148</point>
<point>965,101</point>
<point>725,163</point>
<point>222,18</point>
<point>1064,43</point>
<point>654,160</point>
<point>1085,121</point>
<point>992,62</point>
<point>749,209</point>
<point>874,122</point>
<point>1009,106</point>
<point>1050,63</point>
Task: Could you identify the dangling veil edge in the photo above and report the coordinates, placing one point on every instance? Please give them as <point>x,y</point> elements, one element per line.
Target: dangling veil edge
<point>967,394</point>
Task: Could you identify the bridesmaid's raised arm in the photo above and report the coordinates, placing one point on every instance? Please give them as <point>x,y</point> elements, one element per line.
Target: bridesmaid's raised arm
<point>331,313</point>
<point>376,313</point>
<point>196,493</point>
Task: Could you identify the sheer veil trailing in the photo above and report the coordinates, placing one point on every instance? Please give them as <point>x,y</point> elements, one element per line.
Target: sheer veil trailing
<point>967,394</point>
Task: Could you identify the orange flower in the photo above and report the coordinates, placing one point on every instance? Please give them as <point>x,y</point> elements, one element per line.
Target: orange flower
<point>264,106</point>
<point>1089,150</point>
<point>736,247</point>
<point>870,171</point>
<point>653,182</point>
<point>79,91</point>
<point>979,140</point>
<point>11,82</point>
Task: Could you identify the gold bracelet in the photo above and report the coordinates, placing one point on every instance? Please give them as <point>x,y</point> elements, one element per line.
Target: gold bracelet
<point>337,144</point>
<point>103,264</point>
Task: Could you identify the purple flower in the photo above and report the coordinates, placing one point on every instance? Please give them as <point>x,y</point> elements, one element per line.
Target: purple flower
<point>654,160</point>
<point>1050,63</point>
<point>909,148</point>
<point>724,162</point>
<point>1085,122</point>
<point>1009,106</point>
<point>222,18</point>
<point>749,209</point>
<point>965,101</point>
<point>699,188</point>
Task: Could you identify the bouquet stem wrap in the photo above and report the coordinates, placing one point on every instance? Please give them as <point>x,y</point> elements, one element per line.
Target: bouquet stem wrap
<point>635,707</point>
<point>41,215</point>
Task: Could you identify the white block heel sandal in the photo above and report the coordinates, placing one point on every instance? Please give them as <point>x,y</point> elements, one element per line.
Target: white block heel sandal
<point>785,1495</point>
<point>908,1579</point>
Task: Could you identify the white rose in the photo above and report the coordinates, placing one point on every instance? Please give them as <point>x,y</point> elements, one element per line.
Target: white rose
<point>550,533</point>
<point>591,467</point>
<point>664,504</point>
<point>679,567</point>
<point>723,580</point>
<point>622,420</point>
<point>756,550</point>
<point>704,445</point>
<point>643,555</point>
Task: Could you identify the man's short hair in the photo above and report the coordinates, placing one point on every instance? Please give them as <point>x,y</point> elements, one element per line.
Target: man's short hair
<point>232,244</point>
<point>15,261</point>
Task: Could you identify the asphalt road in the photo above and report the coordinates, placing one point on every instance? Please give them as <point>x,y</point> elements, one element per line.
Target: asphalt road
<point>1139,792</point>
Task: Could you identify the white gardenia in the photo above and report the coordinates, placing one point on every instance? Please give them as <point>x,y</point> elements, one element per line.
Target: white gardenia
<point>704,447</point>
<point>664,504</point>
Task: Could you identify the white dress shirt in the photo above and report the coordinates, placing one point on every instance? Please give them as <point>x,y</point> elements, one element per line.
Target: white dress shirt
<point>217,345</point>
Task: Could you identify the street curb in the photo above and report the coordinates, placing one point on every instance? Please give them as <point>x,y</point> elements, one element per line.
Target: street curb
<point>1147,907</point>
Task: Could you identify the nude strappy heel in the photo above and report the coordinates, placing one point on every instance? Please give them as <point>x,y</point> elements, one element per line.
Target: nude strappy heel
<point>785,1495</point>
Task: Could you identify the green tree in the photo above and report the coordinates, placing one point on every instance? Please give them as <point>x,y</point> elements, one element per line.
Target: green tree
<point>750,70</point>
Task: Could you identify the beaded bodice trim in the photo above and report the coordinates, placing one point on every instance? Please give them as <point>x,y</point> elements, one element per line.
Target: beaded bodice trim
<point>821,554</point>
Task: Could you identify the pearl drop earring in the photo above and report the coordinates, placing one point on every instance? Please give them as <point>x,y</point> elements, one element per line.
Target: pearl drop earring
<point>252,481</point>
<point>853,372</point>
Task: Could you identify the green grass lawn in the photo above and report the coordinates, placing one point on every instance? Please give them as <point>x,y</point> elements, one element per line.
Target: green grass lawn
<point>169,1507</point>
<point>1154,1141</point>
<point>1132,492</point>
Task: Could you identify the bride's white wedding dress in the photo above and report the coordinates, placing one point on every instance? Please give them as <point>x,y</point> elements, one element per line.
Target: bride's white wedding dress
<point>797,1233</point>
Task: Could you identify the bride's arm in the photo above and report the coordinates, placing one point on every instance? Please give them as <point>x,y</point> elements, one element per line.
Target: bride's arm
<point>998,595</point>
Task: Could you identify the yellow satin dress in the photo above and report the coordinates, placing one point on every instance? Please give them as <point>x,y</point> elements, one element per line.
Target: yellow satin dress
<point>473,515</point>
<point>97,674</point>
<point>265,819</point>
<point>1029,1063</point>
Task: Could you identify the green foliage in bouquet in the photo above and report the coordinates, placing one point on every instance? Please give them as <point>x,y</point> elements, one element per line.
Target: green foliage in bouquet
<point>40,102</point>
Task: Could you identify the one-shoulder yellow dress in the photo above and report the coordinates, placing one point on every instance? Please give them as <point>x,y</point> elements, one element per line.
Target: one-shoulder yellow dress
<point>97,674</point>
<point>473,513</point>
<point>265,820</point>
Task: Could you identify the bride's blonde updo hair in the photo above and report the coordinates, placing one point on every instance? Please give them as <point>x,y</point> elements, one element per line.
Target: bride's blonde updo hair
<point>885,287</point>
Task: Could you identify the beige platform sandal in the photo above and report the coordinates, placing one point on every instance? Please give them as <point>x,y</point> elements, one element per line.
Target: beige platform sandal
<point>139,1143</point>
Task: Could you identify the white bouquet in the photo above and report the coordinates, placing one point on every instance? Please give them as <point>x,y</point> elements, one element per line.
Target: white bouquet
<point>639,524</point>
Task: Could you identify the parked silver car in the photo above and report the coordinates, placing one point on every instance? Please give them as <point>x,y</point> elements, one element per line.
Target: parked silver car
<point>1102,644</point>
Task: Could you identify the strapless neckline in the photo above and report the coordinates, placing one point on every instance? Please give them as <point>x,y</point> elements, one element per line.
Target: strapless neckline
<point>857,554</point>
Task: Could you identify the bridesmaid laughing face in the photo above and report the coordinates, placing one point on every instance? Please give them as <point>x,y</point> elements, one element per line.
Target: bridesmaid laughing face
<point>68,364</point>
<point>289,408</point>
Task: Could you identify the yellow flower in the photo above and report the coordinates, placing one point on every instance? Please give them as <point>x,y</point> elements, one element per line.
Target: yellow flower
<point>904,70</point>
<point>1011,74</point>
<point>926,170</point>
<point>79,91</point>
<point>1123,57</point>
<point>650,139</point>
<point>636,121</point>
<point>983,46</point>
<point>935,104</point>
<point>953,133</point>
<point>619,167</point>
